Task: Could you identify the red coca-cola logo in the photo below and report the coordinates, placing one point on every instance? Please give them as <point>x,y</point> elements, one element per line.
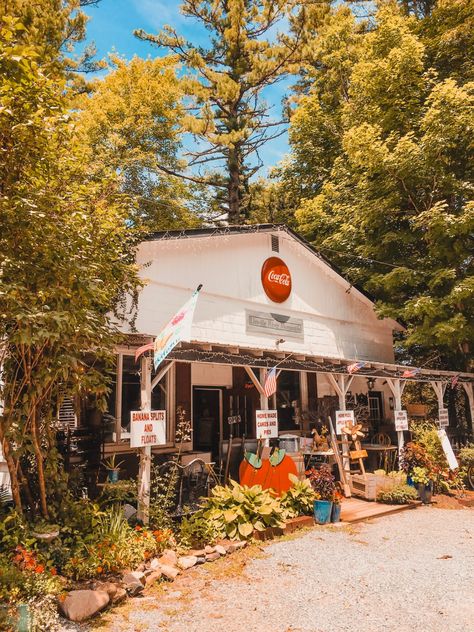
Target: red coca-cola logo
<point>276,279</point>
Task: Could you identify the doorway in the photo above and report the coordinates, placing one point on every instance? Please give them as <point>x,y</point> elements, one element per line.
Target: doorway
<point>207,420</point>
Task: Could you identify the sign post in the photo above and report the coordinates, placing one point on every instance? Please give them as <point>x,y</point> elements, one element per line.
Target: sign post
<point>144,471</point>
<point>343,417</point>
<point>401,420</point>
<point>267,424</point>
<point>443,417</point>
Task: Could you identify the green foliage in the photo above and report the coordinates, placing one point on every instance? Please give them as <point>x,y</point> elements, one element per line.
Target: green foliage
<point>66,261</point>
<point>298,500</point>
<point>382,151</point>
<point>235,511</point>
<point>420,475</point>
<point>124,491</point>
<point>413,455</point>
<point>466,455</point>
<point>195,532</point>
<point>398,495</point>
<point>132,123</point>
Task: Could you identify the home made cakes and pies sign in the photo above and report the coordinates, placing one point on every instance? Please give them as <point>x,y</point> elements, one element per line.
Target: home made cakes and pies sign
<point>276,279</point>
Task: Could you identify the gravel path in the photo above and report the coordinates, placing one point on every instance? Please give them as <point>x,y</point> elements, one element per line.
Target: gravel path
<point>407,572</point>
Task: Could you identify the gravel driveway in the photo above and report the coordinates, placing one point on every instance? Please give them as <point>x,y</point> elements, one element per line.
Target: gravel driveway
<point>413,571</point>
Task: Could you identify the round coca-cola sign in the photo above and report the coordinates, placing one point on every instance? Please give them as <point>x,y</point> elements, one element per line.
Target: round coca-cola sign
<point>276,279</point>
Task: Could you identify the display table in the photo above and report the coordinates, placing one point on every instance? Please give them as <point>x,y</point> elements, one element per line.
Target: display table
<point>384,456</point>
<point>316,458</point>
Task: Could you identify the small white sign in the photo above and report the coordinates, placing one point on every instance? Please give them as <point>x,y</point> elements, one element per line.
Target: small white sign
<point>343,417</point>
<point>443,417</point>
<point>401,420</point>
<point>147,428</point>
<point>267,424</point>
<point>448,449</point>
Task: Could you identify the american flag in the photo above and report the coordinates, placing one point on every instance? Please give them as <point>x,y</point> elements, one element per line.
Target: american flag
<point>270,385</point>
<point>353,368</point>
<point>454,380</point>
<point>410,372</point>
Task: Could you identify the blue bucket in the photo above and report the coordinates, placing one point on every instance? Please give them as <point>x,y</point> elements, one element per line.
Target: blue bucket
<point>336,512</point>
<point>112,476</point>
<point>322,511</point>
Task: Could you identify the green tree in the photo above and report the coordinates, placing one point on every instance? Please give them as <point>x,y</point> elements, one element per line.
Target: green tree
<point>66,265</point>
<point>393,204</point>
<point>131,122</point>
<point>225,83</point>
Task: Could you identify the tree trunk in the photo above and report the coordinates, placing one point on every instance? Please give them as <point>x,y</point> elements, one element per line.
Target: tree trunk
<point>12,470</point>
<point>233,186</point>
<point>39,464</point>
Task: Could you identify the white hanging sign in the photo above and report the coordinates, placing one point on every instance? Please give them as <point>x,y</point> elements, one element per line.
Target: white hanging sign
<point>443,417</point>
<point>401,420</point>
<point>267,424</point>
<point>448,449</point>
<point>147,428</point>
<point>343,417</point>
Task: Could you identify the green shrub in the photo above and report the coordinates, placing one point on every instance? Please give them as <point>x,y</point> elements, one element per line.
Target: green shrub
<point>466,455</point>
<point>398,495</point>
<point>196,532</point>
<point>235,511</point>
<point>299,499</point>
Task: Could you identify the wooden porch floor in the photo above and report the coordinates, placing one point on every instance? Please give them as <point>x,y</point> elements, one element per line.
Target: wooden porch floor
<point>356,509</point>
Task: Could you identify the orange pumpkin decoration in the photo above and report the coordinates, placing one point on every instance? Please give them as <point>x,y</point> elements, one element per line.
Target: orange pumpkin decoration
<point>272,473</point>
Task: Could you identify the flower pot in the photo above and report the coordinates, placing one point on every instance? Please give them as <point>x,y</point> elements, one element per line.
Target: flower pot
<point>336,512</point>
<point>322,511</point>
<point>113,476</point>
<point>425,492</point>
<point>410,481</point>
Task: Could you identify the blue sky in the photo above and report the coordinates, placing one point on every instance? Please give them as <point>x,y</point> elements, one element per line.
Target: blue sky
<point>111,27</point>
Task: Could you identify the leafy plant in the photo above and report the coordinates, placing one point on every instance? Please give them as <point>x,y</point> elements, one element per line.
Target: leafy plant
<point>236,510</point>
<point>322,482</point>
<point>466,455</point>
<point>124,491</point>
<point>413,455</point>
<point>420,475</point>
<point>298,500</point>
<point>110,463</point>
<point>398,495</point>
<point>195,532</point>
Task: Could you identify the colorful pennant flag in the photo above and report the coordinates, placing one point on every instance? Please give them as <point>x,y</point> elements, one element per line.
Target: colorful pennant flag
<point>177,330</point>
<point>353,368</point>
<point>270,385</point>
<point>410,372</point>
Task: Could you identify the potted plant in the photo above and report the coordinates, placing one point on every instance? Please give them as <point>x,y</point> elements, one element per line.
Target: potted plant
<point>413,455</point>
<point>45,531</point>
<point>423,483</point>
<point>112,468</point>
<point>322,482</point>
<point>336,505</point>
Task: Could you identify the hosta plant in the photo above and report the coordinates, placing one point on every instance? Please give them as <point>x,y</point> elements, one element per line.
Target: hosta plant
<point>398,495</point>
<point>298,500</point>
<point>236,510</point>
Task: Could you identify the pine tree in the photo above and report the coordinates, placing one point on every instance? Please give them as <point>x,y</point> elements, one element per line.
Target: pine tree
<point>226,82</point>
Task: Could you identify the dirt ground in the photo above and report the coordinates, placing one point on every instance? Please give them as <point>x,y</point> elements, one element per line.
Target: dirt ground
<point>407,572</point>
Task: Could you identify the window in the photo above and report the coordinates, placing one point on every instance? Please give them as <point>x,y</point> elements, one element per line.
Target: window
<point>125,396</point>
<point>288,399</point>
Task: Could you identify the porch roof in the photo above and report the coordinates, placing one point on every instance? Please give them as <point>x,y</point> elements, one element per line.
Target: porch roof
<point>257,358</point>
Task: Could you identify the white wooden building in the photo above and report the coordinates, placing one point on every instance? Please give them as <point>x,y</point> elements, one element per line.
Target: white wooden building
<point>308,319</point>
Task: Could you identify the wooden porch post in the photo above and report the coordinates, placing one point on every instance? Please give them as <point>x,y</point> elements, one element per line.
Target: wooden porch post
<point>341,384</point>
<point>145,453</point>
<point>469,388</point>
<point>397,386</point>
<point>440,389</point>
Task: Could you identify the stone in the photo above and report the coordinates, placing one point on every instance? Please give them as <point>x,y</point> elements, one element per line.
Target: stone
<point>152,578</point>
<point>109,587</point>
<point>209,549</point>
<point>80,605</point>
<point>220,549</point>
<point>212,557</point>
<point>134,582</point>
<point>134,576</point>
<point>200,559</point>
<point>197,552</point>
<point>187,561</point>
<point>154,564</point>
<point>119,596</point>
<point>168,557</point>
<point>235,545</point>
<point>129,511</point>
<point>170,572</point>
